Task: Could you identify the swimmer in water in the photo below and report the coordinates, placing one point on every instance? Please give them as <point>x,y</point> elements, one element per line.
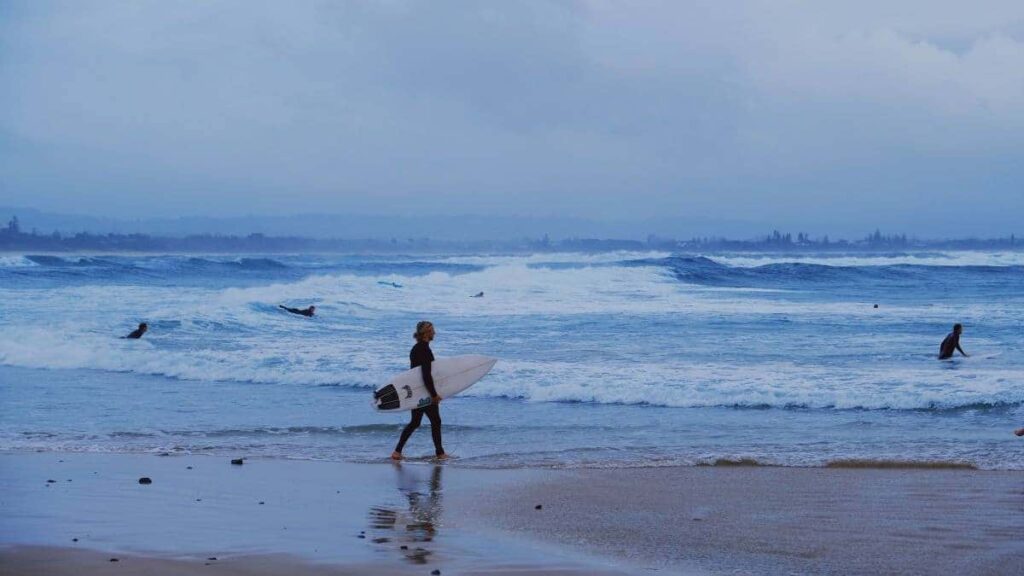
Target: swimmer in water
<point>138,332</point>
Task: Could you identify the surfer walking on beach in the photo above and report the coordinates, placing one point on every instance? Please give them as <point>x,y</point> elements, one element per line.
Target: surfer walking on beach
<point>421,356</point>
<point>951,343</point>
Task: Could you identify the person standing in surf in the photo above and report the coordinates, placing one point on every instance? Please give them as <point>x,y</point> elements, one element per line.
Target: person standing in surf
<point>421,356</point>
<point>951,343</point>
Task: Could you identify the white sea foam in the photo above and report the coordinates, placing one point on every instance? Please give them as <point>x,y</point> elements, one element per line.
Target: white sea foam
<point>778,384</point>
<point>556,258</point>
<point>16,262</point>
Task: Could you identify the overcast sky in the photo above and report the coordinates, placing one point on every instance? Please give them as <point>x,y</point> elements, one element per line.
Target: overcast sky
<point>822,116</point>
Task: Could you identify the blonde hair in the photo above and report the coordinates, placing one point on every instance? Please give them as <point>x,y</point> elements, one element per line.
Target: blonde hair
<point>421,329</point>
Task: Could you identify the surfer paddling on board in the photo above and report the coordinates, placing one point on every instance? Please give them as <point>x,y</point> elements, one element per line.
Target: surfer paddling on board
<point>421,356</point>
<point>300,311</point>
<point>951,343</point>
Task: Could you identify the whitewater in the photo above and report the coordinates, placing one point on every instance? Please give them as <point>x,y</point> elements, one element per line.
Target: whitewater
<point>612,359</point>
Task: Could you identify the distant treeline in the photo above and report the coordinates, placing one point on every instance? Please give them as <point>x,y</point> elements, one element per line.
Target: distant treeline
<point>12,237</point>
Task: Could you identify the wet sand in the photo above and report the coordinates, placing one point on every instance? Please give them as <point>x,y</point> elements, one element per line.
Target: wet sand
<point>762,520</point>
<point>319,518</point>
<point>43,561</point>
<point>70,513</point>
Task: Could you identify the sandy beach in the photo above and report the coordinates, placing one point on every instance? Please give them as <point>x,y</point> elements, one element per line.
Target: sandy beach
<point>72,513</point>
<point>769,520</point>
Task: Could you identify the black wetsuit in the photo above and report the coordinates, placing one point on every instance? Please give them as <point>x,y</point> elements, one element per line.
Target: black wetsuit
<point>136,334</point>
<point>421,356</point>
<point>950,344</point>
<point>301,312</point>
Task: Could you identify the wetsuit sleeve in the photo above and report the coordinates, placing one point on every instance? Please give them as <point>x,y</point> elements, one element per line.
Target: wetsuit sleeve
<point>428,378</point>
<point>422,357</point>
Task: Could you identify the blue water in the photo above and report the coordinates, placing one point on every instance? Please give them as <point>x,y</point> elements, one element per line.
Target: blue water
<point>622,359</point>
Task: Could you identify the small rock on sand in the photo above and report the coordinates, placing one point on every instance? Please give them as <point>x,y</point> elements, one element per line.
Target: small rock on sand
<point>51,481</point>
<point>436,572</point>
<point>145,480</point>
<point>238,461</point>
<point>114,560</point>
<point>538,506</point>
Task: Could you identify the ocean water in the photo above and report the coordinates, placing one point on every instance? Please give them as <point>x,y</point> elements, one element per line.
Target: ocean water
<point>606,360</point>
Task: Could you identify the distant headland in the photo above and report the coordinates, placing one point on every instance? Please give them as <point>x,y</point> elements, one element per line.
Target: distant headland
<point>14,238</point>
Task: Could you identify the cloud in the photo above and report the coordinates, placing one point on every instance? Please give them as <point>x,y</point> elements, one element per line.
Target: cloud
<point>583,109</point>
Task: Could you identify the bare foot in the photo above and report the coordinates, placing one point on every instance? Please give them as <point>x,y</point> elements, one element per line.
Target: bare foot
<point>1019,432</point>
<point>442,456</point>
<point>396,455</point>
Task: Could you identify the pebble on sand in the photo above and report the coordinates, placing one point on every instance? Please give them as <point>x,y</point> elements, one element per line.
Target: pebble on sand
<point>51,481</point>
<point>436,572</point>
<point>145,480</point>
<point>238,461</point>
<point>114,560</point>
<point>74,539</point>
<point>538,507</point>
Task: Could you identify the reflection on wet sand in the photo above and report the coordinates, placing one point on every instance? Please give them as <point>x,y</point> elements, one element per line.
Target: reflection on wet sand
<point>407,529</point>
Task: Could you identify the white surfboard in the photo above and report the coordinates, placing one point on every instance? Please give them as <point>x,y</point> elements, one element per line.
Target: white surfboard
<point>451,376</point>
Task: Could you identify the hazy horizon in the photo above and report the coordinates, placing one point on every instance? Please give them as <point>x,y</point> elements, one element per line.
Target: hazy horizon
<point>706,118</point>
<point>448,228</point>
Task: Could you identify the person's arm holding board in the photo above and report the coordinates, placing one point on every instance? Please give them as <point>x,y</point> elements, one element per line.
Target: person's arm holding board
<point>424,357</point>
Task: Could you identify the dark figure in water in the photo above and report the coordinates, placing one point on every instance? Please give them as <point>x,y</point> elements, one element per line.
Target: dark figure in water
<point>1019,431</point>
<point>422,356</point>
<point>477,295</point>
<point>300,311</point>
<point>138,332</point>
<point>951,343</point>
